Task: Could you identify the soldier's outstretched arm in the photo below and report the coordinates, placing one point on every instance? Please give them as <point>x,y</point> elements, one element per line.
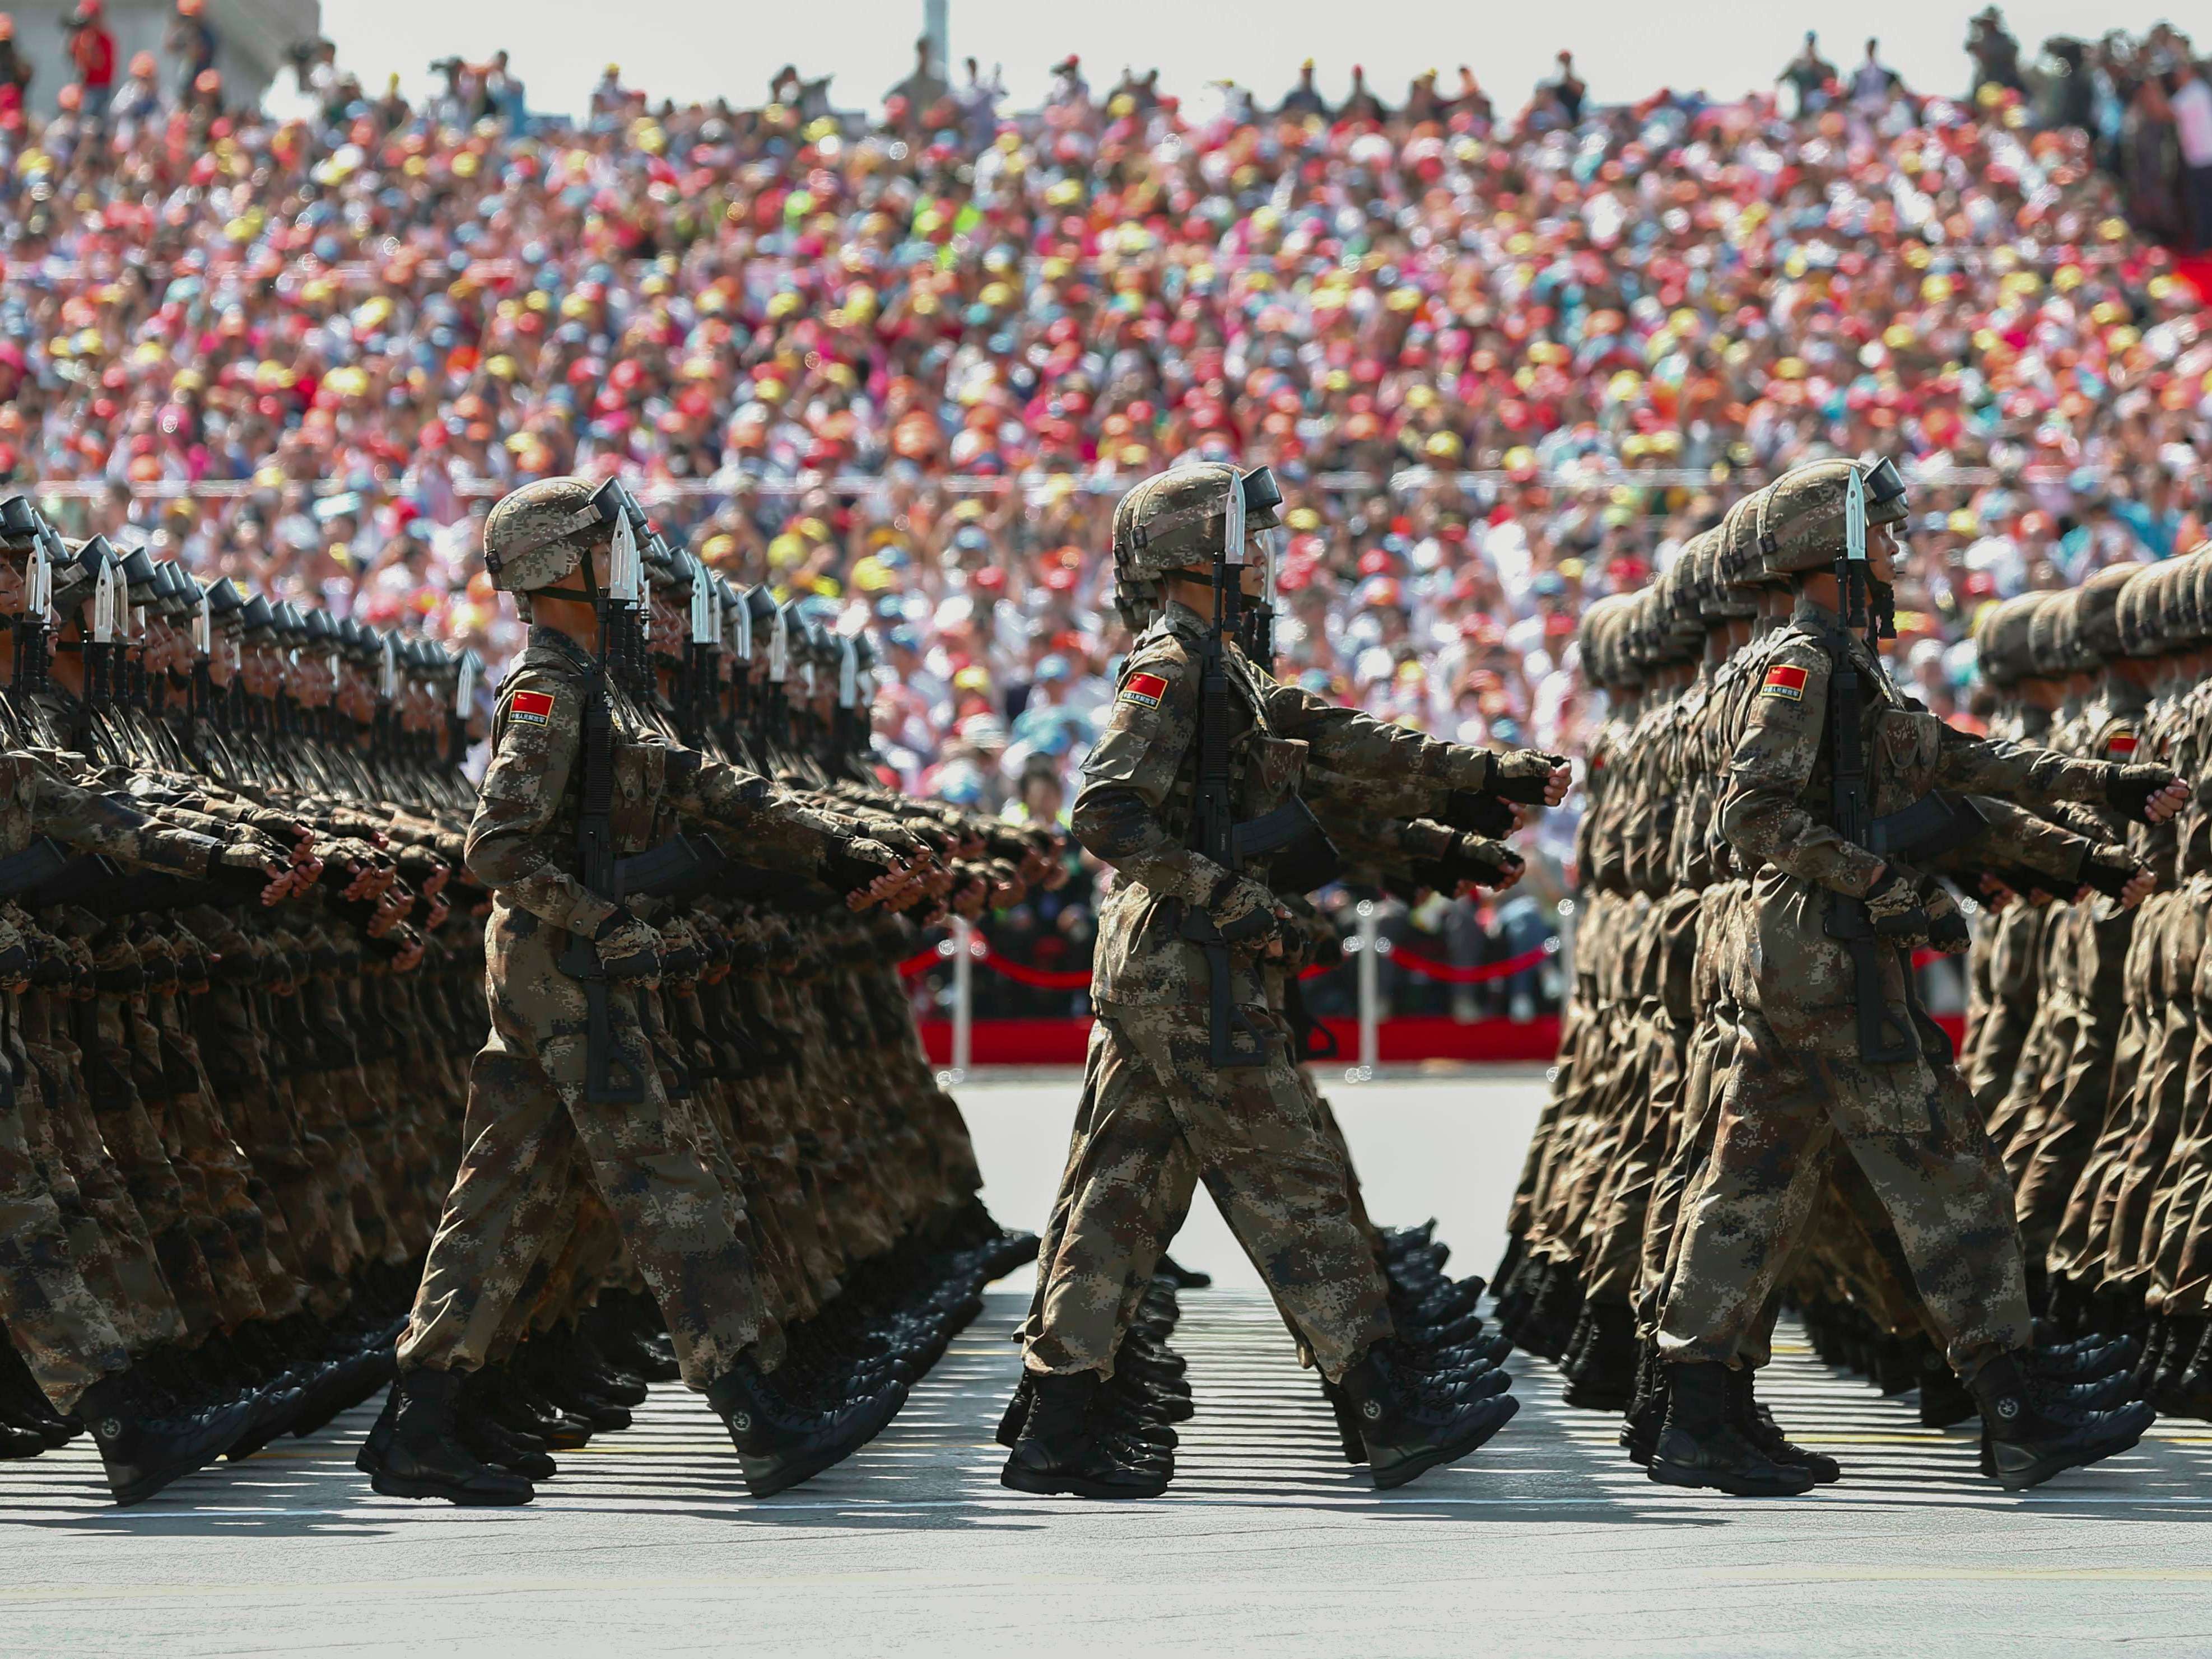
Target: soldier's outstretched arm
<point>1763,815</point>
<point>534,748</point>
<point>781,832</point>
<point>89,821</point>
<point>2037,777</point>
<point>1360,745</point>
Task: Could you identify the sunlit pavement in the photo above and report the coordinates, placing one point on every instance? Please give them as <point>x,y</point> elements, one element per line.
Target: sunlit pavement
<point>1548,1541</point>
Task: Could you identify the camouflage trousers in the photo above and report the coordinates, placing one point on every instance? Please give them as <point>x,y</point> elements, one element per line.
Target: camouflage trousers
<point>2074,1118</point>
<point>1913,1132</point>
<point>1157,1119</point>
<point>56,1321</point>
<point>526,1120</point>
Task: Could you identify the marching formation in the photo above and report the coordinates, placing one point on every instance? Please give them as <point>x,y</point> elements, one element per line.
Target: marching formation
<point>1753,1108</point>
<point>244,973</point>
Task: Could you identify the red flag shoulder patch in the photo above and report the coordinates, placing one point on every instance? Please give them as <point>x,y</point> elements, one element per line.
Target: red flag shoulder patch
<point>1783,681</point>
<point>530,707</point>
<point>2121,744</point>
<point>1145,688</point>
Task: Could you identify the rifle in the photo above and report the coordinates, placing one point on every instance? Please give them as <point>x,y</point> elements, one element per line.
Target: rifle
<point>1214,822</point>
<point>610,1079</point>
<point>1882,1041</point>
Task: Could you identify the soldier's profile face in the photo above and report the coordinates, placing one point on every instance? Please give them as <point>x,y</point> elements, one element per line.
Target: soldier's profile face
<point>11,588</point>
<point>1881,552</point>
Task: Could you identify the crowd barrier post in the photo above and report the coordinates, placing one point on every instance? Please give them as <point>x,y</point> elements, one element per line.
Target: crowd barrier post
<point>1368,947</point>
<point>964,998</point>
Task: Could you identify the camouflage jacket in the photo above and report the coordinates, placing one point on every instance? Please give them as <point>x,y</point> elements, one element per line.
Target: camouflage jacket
<point>1139,782</point>
<point>1778,813</point>
<point>522,841</point>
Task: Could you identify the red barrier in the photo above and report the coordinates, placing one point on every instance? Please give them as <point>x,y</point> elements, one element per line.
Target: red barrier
<point>1429,967</point>
<point>1405,1042</point>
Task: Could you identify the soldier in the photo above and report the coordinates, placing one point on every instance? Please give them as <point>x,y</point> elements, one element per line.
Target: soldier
<point>1832,1047</point>
<point>1160,1088</point>
<point>558,544</point>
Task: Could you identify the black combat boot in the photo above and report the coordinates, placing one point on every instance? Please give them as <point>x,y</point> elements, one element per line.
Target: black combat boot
<point>1757,1425</point>
<point>1061,1450</point>
<point>1410,1426</point>
<point>1701,1445</point>
<point>1603,1375</point>
<point>780,1444</point>
<point>2088,1360</point>
<point>2028,1435</point>
<point>2190,1395</point>
<point>1348,1433</point>
<point>144,1443</point>
<point>1182,1278</point>
<point>2184,1338</point>
<point>1944,1399</point>
<point>2153,1354</point>
<point>1018,1410</point>
<point>1647,1412</point>
<point>425,1456</point>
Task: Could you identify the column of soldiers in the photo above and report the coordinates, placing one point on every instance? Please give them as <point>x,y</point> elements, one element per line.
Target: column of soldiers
<point>243,990</point>
<point>1752,1109</point>
<point>1220,798</point>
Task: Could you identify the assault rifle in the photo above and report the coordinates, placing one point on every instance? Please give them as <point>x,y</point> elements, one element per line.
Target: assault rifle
<point>610,1079</point>
<point>1882,1040</point>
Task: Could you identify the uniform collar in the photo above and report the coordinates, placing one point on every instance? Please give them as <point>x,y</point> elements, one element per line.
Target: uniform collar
<point>552,638</point>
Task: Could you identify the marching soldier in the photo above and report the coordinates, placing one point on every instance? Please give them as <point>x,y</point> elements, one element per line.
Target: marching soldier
<point>1189,1059</point>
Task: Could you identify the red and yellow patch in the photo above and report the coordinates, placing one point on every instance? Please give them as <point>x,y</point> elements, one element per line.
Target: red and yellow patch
<point>2121,745</point>
<point>530,707</point>
<point>1145,688</point>
<point>1783,681</point>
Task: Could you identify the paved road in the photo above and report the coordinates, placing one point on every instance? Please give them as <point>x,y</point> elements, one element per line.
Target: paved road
<point>1547,1542</point>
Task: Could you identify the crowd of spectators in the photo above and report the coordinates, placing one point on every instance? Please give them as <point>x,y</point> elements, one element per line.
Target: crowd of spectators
<point>1503,360</point>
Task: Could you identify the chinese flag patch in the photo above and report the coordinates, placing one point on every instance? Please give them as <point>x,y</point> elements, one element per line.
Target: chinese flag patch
<point>2121,744</point>
<point>1147,689</point>
<point>1784,682</point>
<point>530,708</point>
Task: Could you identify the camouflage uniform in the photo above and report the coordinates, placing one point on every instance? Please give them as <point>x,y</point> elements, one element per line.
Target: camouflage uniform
<point>526,1117</point>
<point>1799,1085</point>
<point>1152,1095</point>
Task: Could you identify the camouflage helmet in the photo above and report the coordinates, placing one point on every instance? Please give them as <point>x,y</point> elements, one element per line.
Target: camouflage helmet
<point>1682,623</point>
<point>2139,618</point>
<point>535,536</point>
<point>1593,637</point>
<point>2096,606</point>
<point>1718,602</point>
<point>1174,520</point>
<point>2182,592</point>
<point>1742,564</point>
<point>2000,639</point>
<point>2201,579</point>
<point>2050,649</point>
<point>1801,518</point>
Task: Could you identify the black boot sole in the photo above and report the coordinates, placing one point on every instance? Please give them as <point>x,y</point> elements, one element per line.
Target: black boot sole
<point>1675,1474</point>
<point>400,1485</point>
<point>1037,1484</point>
<point>1388,1477</point>
<point>2042,1468</point>
<point>767,1476</point>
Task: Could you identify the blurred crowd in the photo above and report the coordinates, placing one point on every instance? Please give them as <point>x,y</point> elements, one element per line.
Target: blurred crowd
<point>1502,359</point>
